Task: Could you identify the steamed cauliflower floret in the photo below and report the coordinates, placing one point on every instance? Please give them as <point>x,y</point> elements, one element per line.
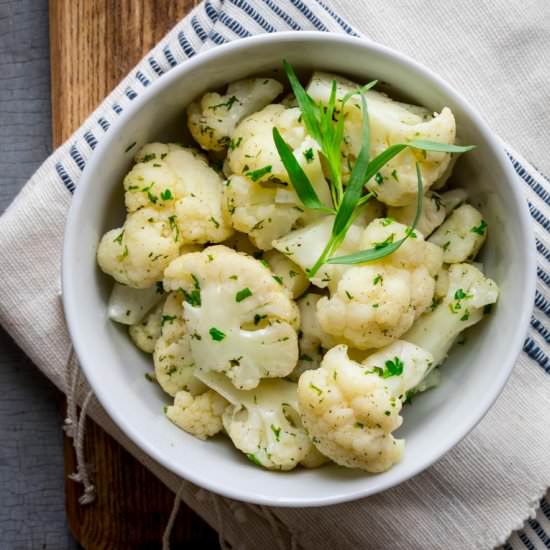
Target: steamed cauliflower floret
<point>241,321</point>
<point>462,235</point>
<point>212,119</point>
<point>173,198</point>
<point>350,409</point>
<point>313,342</point>
<point>257,157</point>
<point>256,150</point>
<point>253,211</point>
<point>390,123</point>
<point>414,252</point>
<point>375,303</point>
<point>468,292</point>
<point>181,182</point>
<point>174,362</point>
<point>146,333</point>
<point>200,416</point>
<point>199,205</point>
<point>264,423</point>
<point>287,272</point>
<point>136,254</point>
<point>432,215</point>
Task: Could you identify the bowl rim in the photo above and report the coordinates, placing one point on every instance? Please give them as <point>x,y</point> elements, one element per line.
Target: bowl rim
<point>72,312</point>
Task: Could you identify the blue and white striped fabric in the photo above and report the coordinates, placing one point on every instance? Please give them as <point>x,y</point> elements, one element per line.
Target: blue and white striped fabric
<point>218,21</point>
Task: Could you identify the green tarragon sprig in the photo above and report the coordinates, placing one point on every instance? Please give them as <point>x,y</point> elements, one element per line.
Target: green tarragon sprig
<point>325,124</point>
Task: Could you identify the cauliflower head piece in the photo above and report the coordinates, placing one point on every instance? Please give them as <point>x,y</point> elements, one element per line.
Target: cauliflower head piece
<point>287,272</point>
<point>146,333</point>
<point>136,254</point>
<point>468,292</point>
<point>173,198</point>
<point>199,415</point>
<point>264,423</point>
<point>461,235</point>
<point>432,215</point>
<point>350,409</point>
<point>241,321</point>
<point>375,303</point>
<point>391,122</point>
<point>254,210</point>
<point>259,196</point>
<point>213,118</point>
<point>174,363</point>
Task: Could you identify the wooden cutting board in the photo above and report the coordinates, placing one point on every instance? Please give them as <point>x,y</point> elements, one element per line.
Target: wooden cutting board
<point>93,44</point>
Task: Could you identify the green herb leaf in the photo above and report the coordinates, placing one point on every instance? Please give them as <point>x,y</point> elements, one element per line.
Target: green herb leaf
<point>298,178</point>
<point>216,334</point>
<point>354,189</point>
<point>243,294</point>
<point>166,195</point>
<point>255,175</point>
<point>308,107</point>
<point>480,229</point>
<point>379,251</point>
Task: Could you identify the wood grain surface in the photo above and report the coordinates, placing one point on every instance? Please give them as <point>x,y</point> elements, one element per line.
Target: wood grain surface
<point>93,44</point>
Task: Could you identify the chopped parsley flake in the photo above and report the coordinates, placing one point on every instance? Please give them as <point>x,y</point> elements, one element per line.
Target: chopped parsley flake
<point>410,233</point>
<point>227,104</point>
<point>259,318</point>
<point>166,195</point>
<point>379,178</point>
<point>480,229</point>
<point>386,242</point>
<point>308,154</point>
<point>243,294</point>
<point>215,222</point>
<point>236,361</point>
<point>461,295</point>
<point>119,238</point>
<point>148,157</point>
<point>446,246</point>
<point>316,389</point>
<point>394,175</point>
<point>216,334</point>
<point>387,221</point>
<point>378,280</point>
<point>232,145</point>
<point>278,279</point>
<point>255,175</point>
<point>277,431</point>
<point>167,319</point>
<point>391,368</point>
<point>174,227</point>
<point>305,357</point>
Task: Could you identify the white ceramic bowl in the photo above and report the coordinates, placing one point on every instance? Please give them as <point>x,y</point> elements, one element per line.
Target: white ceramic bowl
<point>473,375</point>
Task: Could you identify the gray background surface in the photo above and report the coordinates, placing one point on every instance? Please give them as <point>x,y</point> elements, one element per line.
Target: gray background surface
<point>32,514</point>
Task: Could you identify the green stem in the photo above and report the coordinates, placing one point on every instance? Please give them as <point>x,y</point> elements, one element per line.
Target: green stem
<point>322,258</point>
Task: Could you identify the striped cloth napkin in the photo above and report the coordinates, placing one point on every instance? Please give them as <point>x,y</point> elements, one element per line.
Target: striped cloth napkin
<point>486,487</point>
